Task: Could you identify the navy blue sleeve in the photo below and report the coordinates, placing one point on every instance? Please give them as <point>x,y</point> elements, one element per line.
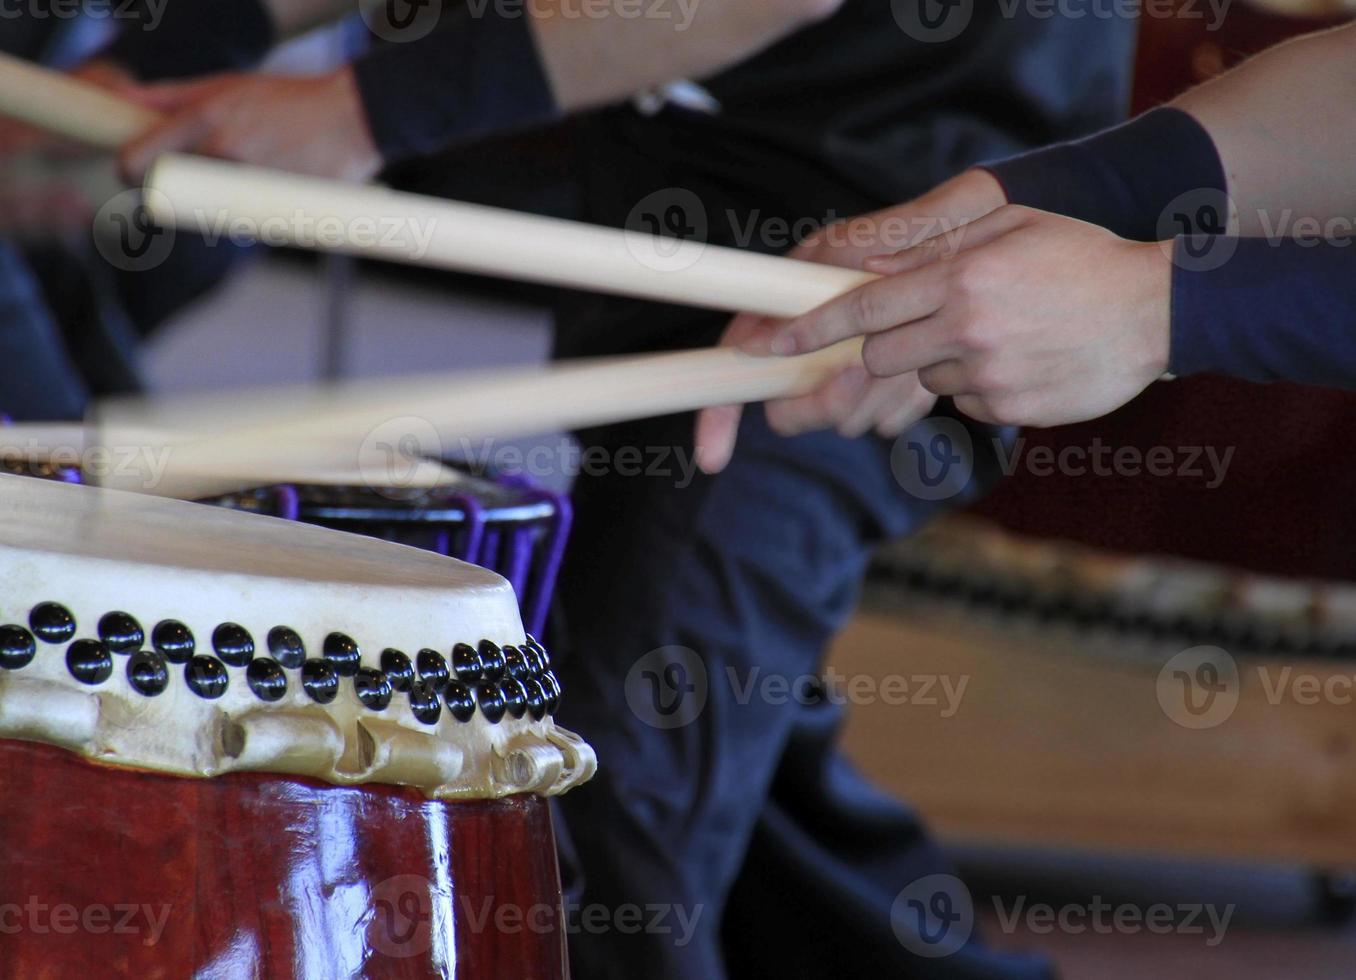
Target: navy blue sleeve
<point>472,77</point>
<point>1150,179</point>
<point>1265,310</point>
<point>192,37</point>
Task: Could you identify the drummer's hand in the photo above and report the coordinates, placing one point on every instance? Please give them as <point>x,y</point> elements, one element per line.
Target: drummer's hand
<point>313,125</point>
<point>1035,319</point>
<point>854,403</point>
<point>18,137</point>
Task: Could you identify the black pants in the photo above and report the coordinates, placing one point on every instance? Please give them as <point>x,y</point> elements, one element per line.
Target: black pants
<point>722,802</point>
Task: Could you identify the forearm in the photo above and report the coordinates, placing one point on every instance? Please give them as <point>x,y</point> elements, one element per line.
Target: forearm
<point>484,73</point>
<point>1284,124</point>
<point>593,62</point>
<point>1277,134</point>
<point>1265,310</point>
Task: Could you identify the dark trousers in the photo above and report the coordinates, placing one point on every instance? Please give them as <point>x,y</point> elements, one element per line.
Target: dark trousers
<point>720,798</point>
<point>37,380</point>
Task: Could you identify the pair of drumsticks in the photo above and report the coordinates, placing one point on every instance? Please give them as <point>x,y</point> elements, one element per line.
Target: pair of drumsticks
<point>214,196</point>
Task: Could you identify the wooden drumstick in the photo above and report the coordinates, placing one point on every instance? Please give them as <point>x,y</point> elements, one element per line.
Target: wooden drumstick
<point>353,424</point>
<point>280,208</point>
<point>69,107</point>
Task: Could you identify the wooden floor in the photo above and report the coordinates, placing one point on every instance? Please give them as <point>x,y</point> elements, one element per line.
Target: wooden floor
<point>1054,746</point>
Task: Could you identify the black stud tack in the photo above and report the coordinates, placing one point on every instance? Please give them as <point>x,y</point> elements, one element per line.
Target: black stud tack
<point>433,668</point>
<point>399,671</point>
<point>320,680</point>
<point>515,698</point>
<point>491,703</point>
<point>89,661</point>
<point>424,703</point>
<point>121,632</point>
<point>343,652</point>
<point>551,686</point>
<point>492,660</point>
<point>148,673</point>
<point>286,647</point>
<point>206,677</point>
<point>17,647</point>
<point>233,644</point>
<point>174,641</point>
<point>466,662</point>
<point>52,622</point>
<point>515,663</point>
<point>266,679</point>
<point>460,700</point>
<point>536,662</point>
<point>536,698</point>
<point>373,689</point>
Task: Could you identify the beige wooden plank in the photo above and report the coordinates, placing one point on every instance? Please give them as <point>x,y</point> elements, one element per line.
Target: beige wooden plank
<point>1054,746</point>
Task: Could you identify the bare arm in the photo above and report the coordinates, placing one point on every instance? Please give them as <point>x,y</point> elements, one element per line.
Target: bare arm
<point>592,61</point>
<point>1284,123</point>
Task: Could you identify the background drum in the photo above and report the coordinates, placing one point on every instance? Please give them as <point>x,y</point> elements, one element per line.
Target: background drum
<point>505,524</point>
<point>235,746</point>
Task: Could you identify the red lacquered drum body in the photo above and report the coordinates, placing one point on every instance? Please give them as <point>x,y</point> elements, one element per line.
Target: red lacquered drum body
<point>108,872</point>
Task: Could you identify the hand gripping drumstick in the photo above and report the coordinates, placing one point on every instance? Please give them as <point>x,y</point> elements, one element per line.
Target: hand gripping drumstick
<point>68,106</point>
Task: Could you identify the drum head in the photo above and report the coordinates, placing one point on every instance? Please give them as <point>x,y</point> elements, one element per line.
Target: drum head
<point>198,640</point>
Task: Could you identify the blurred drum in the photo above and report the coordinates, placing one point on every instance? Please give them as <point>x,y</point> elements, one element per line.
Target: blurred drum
<point>506,524</point>
<point>235,746</point>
